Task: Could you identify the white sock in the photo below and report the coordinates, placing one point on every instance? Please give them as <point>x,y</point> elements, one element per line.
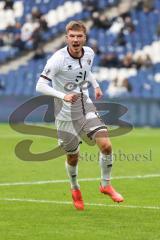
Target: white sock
<point>72,172</point>
<point>105,162</point>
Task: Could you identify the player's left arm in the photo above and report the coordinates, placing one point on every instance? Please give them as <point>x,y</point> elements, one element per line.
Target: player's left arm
<point>97,91</point>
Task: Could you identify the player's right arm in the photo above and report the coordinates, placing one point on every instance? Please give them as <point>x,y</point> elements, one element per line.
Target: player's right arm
<point>52,68</point>
<point>43,86</point>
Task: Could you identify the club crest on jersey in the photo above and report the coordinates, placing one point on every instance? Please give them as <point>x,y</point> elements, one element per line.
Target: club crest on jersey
<point>69,67</point>
<point>89,61</point>
<point>47,70</point>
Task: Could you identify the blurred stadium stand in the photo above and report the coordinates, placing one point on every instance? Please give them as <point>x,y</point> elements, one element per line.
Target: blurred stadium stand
<point>127,47</point>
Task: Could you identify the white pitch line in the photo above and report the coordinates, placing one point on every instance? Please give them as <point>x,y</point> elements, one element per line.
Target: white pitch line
<point>86,204</point>
<point>80,180</point>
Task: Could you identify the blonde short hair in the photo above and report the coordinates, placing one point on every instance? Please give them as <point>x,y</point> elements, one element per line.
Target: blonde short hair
<point>76,26</point>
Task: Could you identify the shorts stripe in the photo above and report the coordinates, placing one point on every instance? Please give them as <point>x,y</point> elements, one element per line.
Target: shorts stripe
<point>74,150</point>
<point>95,130</point>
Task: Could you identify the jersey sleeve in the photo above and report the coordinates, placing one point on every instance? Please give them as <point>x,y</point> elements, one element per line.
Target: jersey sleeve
<point>43,87</point>
<point>92,80</point>
<point>52,67</point>
<point>92,56</point>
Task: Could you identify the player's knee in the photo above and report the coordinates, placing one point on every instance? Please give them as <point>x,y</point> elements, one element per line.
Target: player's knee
<point>106,148</point>
<point>72,159</point>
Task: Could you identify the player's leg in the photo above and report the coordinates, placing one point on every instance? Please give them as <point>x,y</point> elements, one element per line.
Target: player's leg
<point>106,161</point>
<point>69,141</point>
<point>97,131</point>
<point>105,157</point>
<point>72,170</point>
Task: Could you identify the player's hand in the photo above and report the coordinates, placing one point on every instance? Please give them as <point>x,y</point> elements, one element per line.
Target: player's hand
<point>98,93</point>
<point>72,97</point>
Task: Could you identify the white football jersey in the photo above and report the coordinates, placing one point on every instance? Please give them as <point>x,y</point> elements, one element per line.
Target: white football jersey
<point>67,75</point>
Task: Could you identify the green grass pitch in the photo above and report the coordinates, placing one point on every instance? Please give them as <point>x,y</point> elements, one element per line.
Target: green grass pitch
<point>44,211</point>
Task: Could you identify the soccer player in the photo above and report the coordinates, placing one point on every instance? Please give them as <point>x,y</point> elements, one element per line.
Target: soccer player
<point>69,72</point>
